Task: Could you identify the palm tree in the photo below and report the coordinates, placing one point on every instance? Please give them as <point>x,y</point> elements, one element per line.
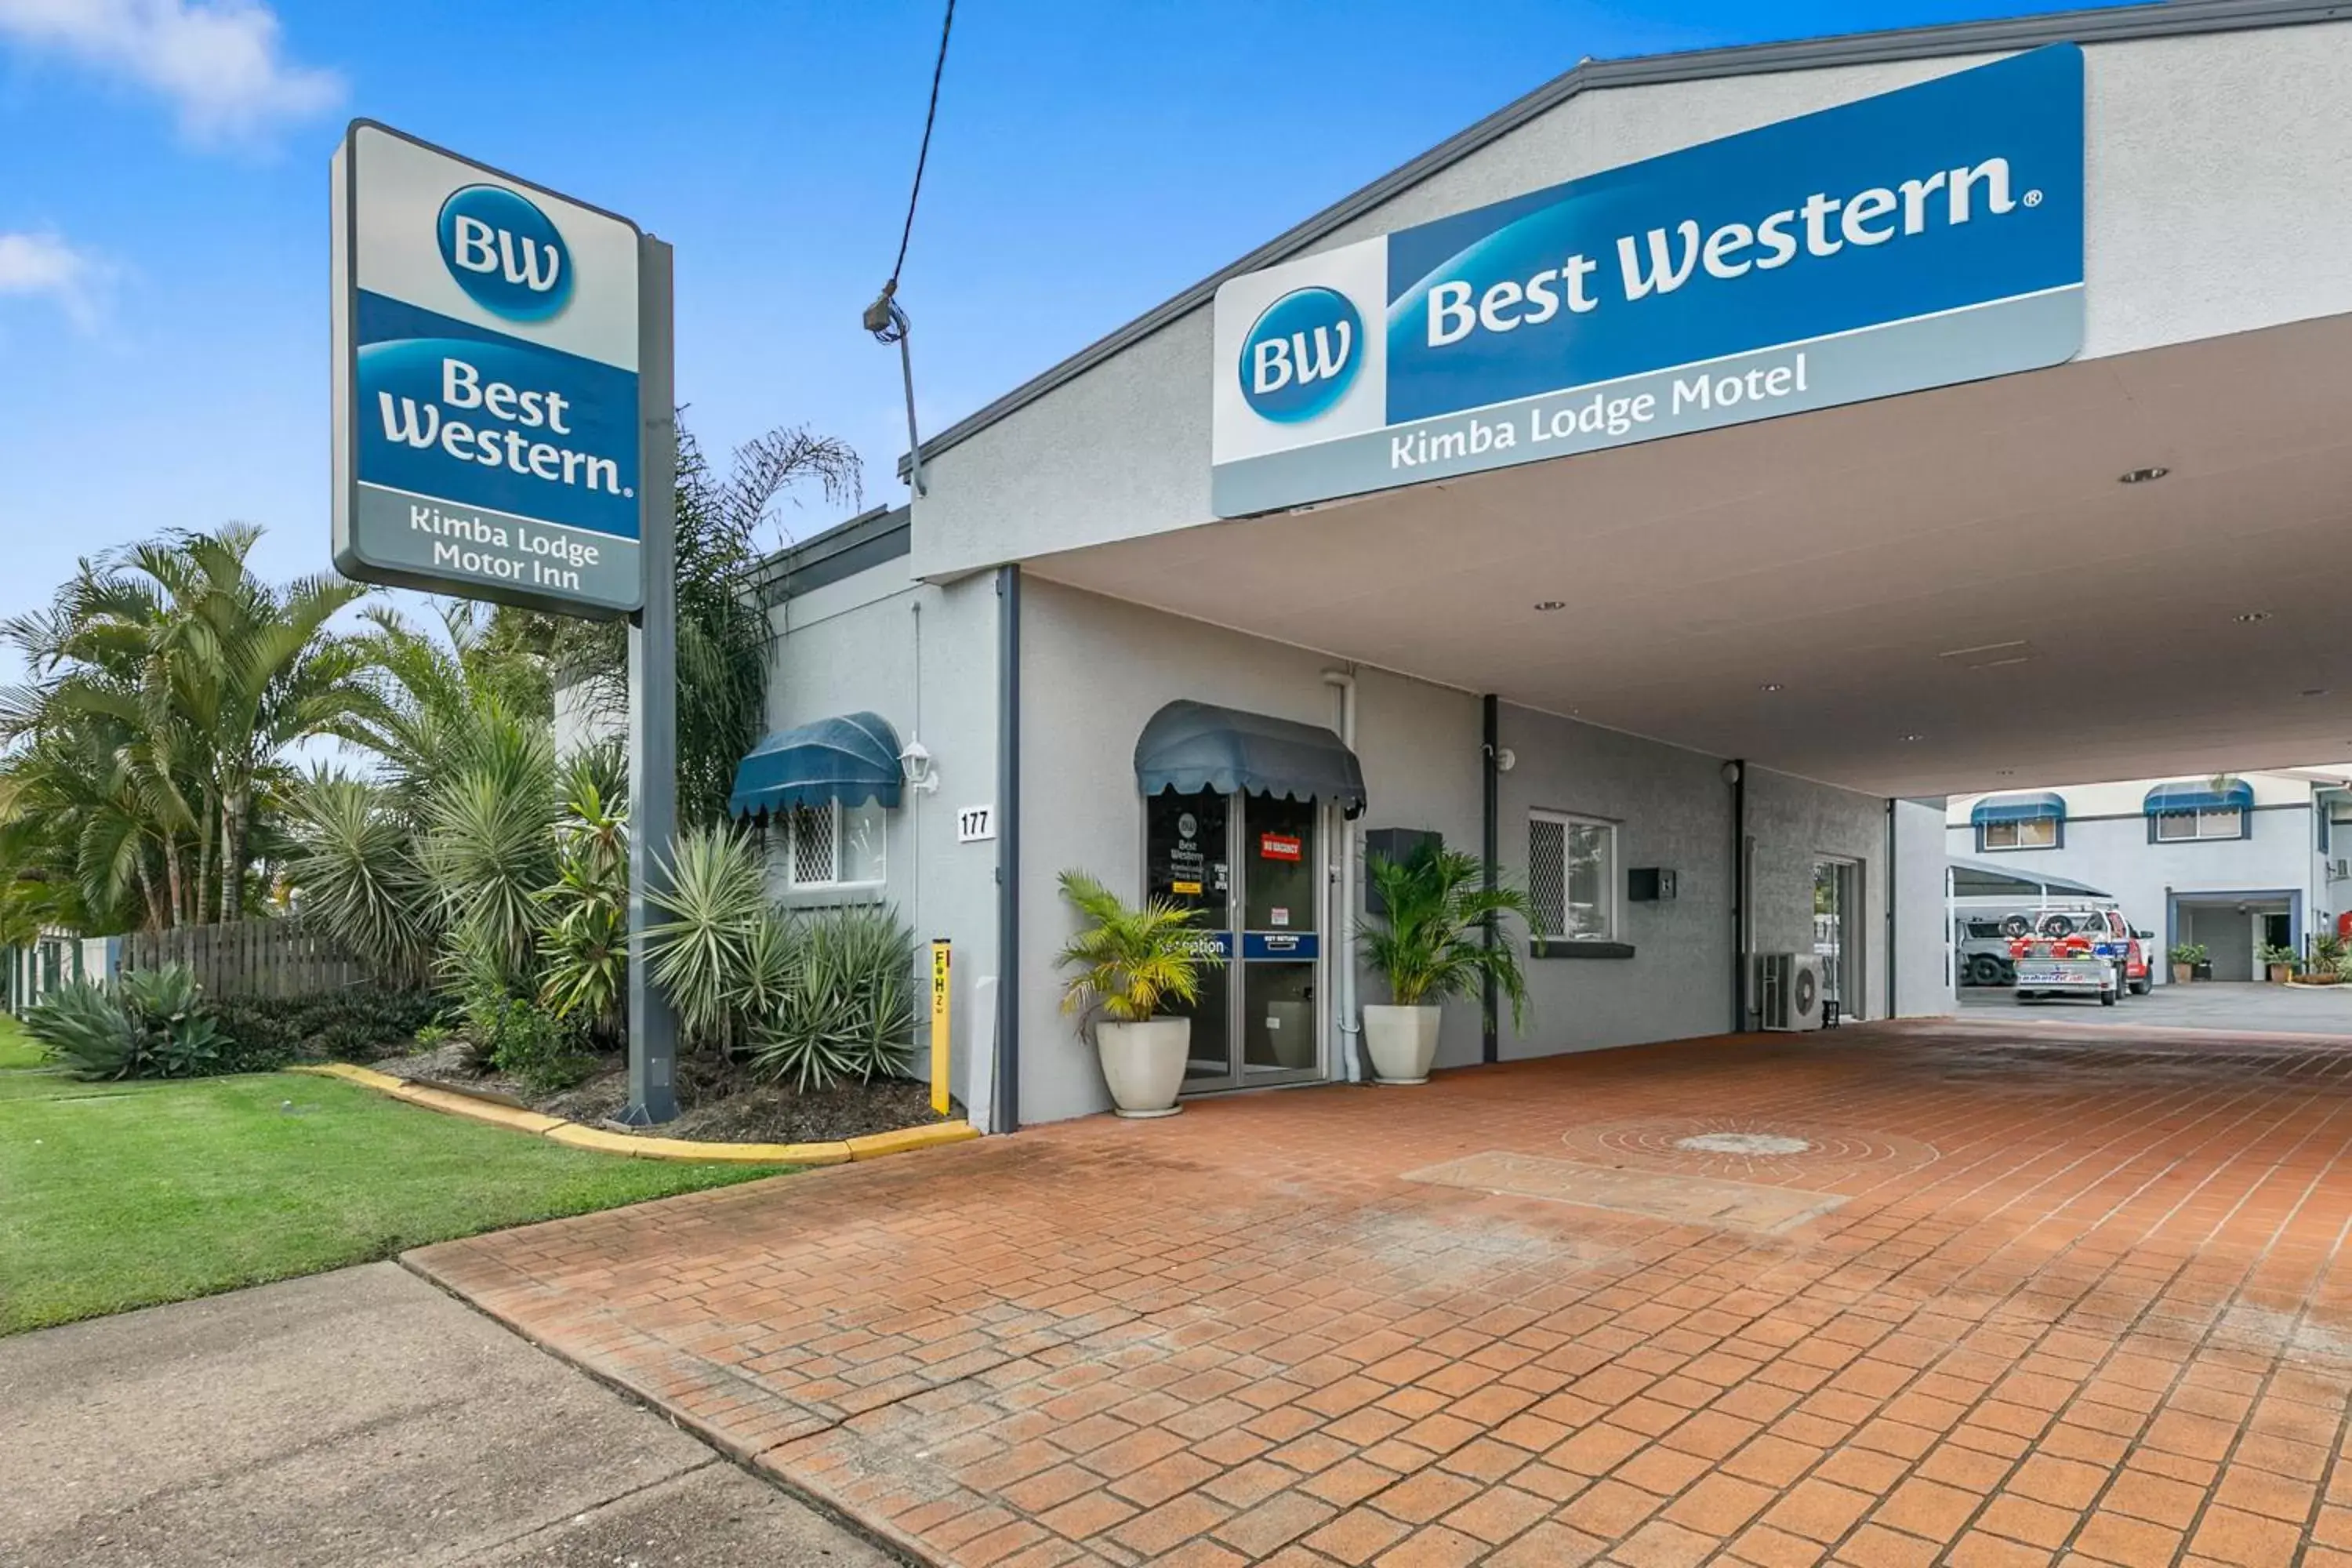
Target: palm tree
<point>195,678</point>
<point>1431,943</point>
<point>722,625</point>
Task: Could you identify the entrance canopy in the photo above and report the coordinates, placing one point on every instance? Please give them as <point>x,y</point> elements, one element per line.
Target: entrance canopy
<point>2130,566</point>
<point>1192,746</point>
<point>851,759</point>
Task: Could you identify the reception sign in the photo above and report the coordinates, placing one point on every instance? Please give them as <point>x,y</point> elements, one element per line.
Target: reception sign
<point>1924,237</point>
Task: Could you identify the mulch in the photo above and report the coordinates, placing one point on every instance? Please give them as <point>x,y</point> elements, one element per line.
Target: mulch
<point>720,1101</point>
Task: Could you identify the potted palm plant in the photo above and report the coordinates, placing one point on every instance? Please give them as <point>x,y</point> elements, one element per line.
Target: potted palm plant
<point>2187,957</point>
<point>2278,962</point>
<point>1130,962</point>
<point>1430,944</point>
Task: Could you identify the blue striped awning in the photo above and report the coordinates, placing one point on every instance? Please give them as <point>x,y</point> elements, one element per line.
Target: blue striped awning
<point>2200,794</point>
<point>851,759</point>
<point>2018,808</point>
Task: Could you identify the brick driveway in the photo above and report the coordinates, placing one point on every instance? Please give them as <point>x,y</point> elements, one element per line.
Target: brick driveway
<point>1993,1292</point>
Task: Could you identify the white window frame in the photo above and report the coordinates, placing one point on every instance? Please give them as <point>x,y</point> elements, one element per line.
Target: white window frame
<point>2200,820</point>
<point>837,818</point>
<point>1612,898</point>
<point>2017,827</point>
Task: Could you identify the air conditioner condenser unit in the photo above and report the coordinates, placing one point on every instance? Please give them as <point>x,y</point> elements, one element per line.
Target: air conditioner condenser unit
<point>1788,990</point>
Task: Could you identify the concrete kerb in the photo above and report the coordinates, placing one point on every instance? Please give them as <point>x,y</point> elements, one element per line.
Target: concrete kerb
<point>873,1146</point>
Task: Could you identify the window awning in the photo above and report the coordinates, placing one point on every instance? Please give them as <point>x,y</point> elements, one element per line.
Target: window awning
<point>2018,808</point>
<point>1193,746</point>
<point>852,759</point>
<point>2199,796</point>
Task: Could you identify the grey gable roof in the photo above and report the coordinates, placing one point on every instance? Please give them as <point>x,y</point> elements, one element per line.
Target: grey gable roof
<point>2176,18</point>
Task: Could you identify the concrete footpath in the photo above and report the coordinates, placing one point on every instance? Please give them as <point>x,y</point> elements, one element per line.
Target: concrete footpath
<point>358,1417</point>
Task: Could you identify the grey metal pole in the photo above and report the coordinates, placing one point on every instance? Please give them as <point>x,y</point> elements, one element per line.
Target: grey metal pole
<point>653,690</point>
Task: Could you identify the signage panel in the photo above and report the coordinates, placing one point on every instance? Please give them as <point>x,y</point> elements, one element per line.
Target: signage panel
<point>487,411</point>
<point>1921,238</point>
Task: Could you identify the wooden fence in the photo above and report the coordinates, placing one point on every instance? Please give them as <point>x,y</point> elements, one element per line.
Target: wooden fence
<point>247,958</point>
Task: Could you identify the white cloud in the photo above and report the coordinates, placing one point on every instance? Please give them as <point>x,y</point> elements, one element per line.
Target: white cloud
<point>44,266</point>
<point>217,61</point>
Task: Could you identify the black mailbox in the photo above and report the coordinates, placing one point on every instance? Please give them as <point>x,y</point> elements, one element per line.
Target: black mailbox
<point>1649,884</point>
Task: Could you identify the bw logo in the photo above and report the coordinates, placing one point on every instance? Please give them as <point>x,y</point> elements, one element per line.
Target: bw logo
<point>1301,355</point>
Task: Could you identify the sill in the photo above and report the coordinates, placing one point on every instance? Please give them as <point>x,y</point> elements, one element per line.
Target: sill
<point>840,897</point>
<point>1541,948</point>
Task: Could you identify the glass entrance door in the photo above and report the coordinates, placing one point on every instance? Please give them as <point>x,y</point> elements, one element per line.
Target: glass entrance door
<point>1837,913</point>
<point>1252,867</point>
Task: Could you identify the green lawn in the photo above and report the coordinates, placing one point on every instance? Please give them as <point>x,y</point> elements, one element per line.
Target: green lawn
<point>120,1195</point>
<point>15,1049</point>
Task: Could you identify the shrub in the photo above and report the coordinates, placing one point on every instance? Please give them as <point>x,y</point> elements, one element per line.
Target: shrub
<point>847,1007</point>
<point>357,1024</point>
<point>540,1049</point>
<point>148,1023</point>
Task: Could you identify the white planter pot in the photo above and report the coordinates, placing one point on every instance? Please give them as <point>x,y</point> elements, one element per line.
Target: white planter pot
<point>1402,1041</point>
<point>1144,1064</point>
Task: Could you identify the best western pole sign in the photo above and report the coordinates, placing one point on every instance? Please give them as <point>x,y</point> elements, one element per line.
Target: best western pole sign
<point>487,428</point>
<point>1924,237</point>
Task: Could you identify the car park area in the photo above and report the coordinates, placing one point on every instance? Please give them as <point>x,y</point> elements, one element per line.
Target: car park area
<point>2234,1006</point>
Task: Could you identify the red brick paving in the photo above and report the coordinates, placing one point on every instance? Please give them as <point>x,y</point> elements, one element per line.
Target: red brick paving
<point>2085,1302</point>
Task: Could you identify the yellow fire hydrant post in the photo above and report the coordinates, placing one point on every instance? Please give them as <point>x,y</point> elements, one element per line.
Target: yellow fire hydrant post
<point>941,963</point>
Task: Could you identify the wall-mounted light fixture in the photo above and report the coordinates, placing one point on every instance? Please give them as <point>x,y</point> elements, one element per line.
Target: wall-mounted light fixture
<point>915,761</point>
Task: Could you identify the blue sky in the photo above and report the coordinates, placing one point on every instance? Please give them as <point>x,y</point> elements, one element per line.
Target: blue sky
<point>163,197</point>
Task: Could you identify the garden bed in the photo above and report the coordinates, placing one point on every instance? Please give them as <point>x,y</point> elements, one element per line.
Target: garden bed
<point>718,1101</point>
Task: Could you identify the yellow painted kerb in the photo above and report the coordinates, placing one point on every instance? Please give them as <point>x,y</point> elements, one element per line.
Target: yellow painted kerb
<point>639,1147</point>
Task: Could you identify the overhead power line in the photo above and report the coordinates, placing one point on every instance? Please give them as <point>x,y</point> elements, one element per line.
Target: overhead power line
<point>884,318</point>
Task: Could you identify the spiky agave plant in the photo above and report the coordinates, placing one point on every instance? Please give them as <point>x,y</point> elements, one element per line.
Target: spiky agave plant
<point>356,868</point>
<point>1128,961</point>
<point>716,899</point>
<point>585,942</point>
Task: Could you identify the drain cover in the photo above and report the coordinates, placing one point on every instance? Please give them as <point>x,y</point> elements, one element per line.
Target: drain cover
<point>1742,1143</point>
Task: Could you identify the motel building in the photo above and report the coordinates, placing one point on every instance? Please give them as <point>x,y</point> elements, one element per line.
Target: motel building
<point>1675,486</point>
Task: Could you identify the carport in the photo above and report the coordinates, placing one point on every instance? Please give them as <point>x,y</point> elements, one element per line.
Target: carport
<point>1754,655</point>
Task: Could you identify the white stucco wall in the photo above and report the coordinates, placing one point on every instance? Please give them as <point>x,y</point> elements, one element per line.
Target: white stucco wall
<point>2110,849</point>
<point>1925,984</point>
<point>852,645</point>
<point>1673,810</point>
<point>1794,824</point>
<point>1094,670</point>
<point>2206,156</point>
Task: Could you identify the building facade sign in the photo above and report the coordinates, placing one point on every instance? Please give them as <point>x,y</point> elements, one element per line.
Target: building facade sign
<point>487,417</point>
<point>1926,236</point>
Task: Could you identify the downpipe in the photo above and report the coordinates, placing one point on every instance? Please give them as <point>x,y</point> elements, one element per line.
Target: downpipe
<point>1344,937</point>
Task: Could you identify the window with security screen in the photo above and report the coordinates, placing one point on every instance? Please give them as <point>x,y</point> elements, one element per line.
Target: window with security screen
<point>2206,822</point>
<point>833,846</point>
<point>1573,875</point>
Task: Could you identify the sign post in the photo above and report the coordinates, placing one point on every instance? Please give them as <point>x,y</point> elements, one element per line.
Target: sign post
<point>942,961</point>
<point>504,430</point>
<point>652,699</point>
